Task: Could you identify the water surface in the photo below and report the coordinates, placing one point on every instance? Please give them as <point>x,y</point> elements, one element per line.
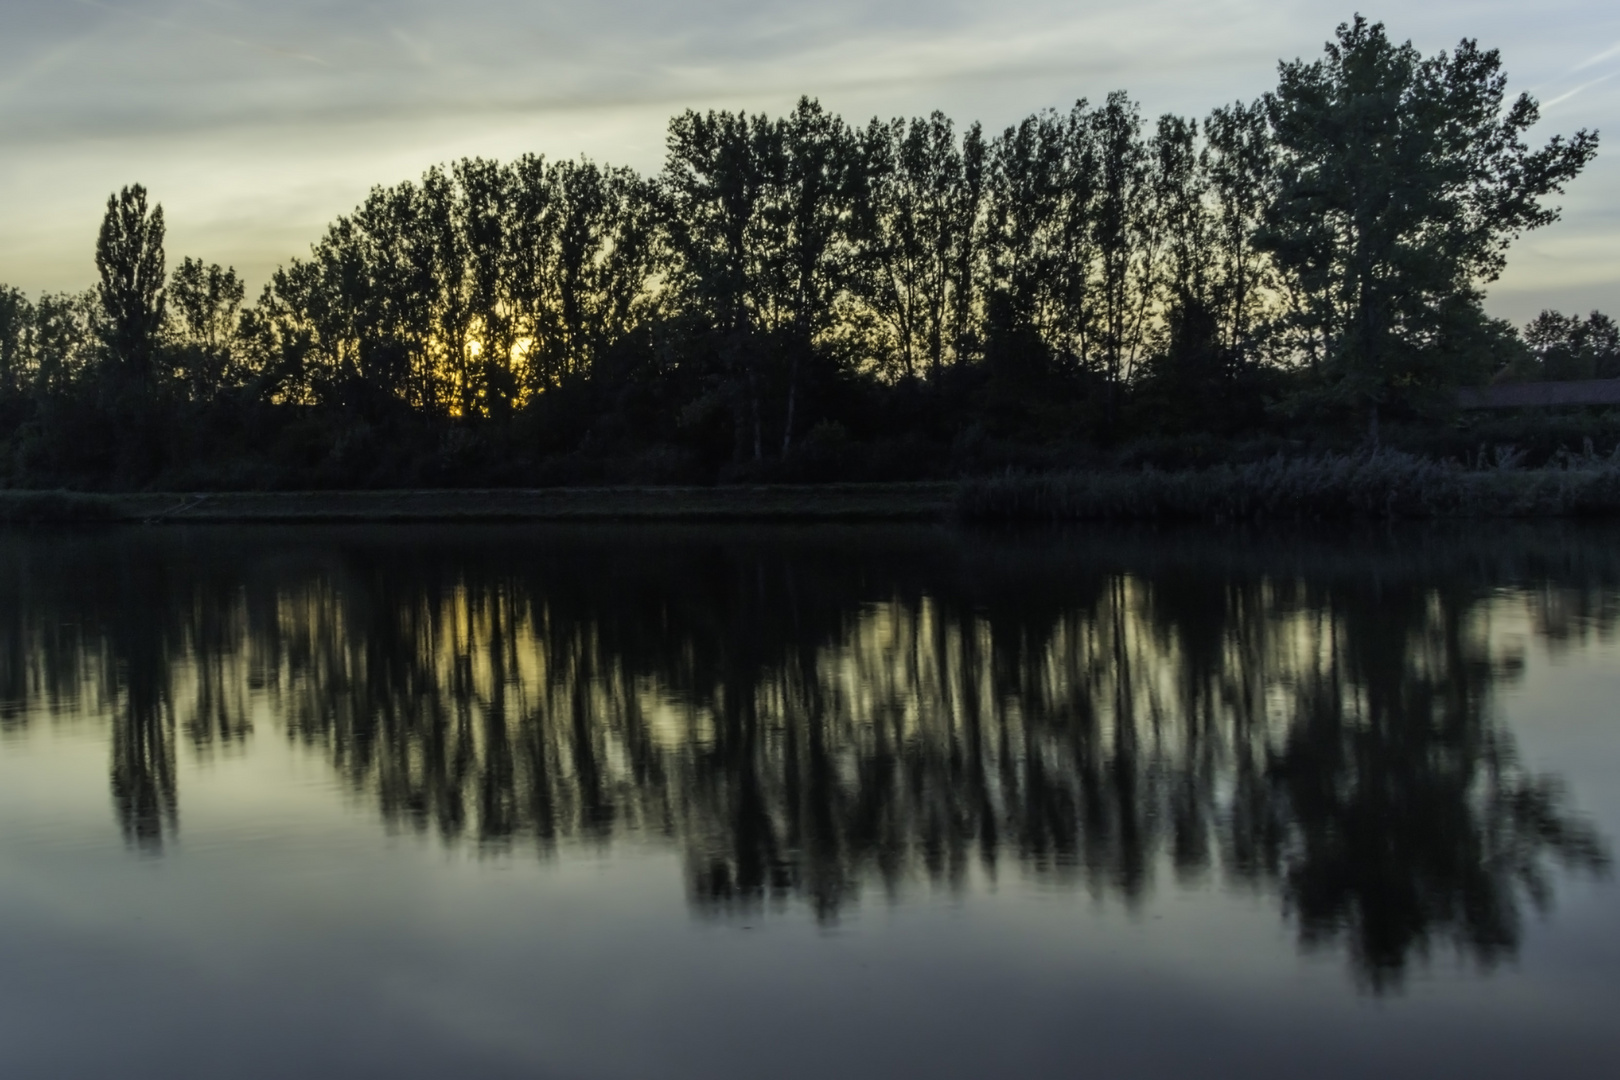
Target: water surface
<point>803,802</point>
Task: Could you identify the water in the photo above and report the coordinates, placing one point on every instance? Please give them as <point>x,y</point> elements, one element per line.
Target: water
<point>632,802</point>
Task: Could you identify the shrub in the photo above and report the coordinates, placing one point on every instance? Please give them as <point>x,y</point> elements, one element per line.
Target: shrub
<point>1380,485</point>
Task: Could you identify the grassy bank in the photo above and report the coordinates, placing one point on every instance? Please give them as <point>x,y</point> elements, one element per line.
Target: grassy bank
<point>1366,486</point>
<point>826,502</point>
<point>1381,486</point>
<point>41,507</point>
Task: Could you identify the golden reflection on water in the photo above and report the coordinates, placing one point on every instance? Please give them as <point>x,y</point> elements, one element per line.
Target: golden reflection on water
<point>801,723</point>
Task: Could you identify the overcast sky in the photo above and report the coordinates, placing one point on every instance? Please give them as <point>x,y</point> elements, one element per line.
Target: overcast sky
<point>255,123</point>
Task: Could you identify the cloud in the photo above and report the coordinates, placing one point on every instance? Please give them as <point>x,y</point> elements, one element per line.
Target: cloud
<point>1606,54</point>
<point>256,123</point>
<point>1567,94</point>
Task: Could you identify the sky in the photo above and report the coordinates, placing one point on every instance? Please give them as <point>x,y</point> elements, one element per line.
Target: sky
<point>256,123</point>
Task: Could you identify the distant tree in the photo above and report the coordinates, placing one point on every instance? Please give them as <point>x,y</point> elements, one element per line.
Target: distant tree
<point>758,215</point>
<point>275,348</point>
<point>599,254</point>
<point>719,174</point>
<point>67,329</point>
<point>1126,228</point>
<point>812,218</point>
<point>1182,219</point>
<point>204,307</point>
<point>129,257</point>
<point>1042,190</point>
<point>918,232</point>
<point>16,340</point>
<point>1074,234</point>
<point>205,301</point>
<point>370,305</point>
<point>435,228</point>
<point>1402,180</point>
<point>1239,165</point>
<point>1569,347</point>
<point>485,202</point>
<point>722,172</point>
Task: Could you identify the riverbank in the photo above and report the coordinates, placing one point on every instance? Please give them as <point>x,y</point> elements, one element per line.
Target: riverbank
<point>1385,486</point>
<point>1379,486</point>
<point>824,502</point>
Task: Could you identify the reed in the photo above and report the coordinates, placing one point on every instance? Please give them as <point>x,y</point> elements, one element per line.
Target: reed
<point>1380,485</point>
<point>49,507</point>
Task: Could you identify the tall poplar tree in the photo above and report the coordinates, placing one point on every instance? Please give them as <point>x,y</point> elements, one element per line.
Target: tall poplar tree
<point>129,257</point>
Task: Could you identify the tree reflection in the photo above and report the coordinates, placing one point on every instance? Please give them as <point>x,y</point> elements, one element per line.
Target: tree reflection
<point>807,714</point>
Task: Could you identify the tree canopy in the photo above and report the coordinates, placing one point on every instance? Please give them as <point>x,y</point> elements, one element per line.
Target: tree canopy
<point>800,297</point>
<point>1402,179</point>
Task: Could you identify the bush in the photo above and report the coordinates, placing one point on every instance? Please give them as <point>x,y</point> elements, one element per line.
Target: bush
<point>40,507</point>
<point>1380,485</point>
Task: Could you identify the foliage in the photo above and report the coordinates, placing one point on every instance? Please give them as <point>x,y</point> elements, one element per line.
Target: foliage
<point>129,257</point>
<point>1380,485</point>
<point>1401,181</point>
<point>1569,347</point>
<point>796,298</point>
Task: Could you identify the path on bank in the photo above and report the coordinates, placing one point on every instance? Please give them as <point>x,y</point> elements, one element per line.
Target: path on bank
<point>819,502</point>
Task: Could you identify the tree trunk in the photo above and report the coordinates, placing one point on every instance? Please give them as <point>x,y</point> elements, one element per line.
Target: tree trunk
<point>792,402</point>
<point>753,405</point>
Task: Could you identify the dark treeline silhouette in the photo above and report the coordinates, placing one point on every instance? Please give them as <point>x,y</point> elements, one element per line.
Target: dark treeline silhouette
<point>799,298</point>
<point>805,714</point>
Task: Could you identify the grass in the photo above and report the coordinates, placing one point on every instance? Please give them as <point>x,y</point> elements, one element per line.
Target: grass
<point>1382,486</point>
<point>820,502</point>
<point>42,507</point>
<point>1377,486</point>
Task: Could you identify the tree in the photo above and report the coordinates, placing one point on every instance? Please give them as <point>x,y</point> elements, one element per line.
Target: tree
<point>1240,169</point>
<point>485,200</point>
<point>205,306</point>
<point>129,257</point>
<point>812,218</point>
<point>1569,347</point>
<point>721,174</point>
<point>16,340</point>
<point>918,206</point>
<point>1126,232</point>
<point>1402,181</point>
<point>597,264</point>
<point>66,329</point>
<point>1039,208</point>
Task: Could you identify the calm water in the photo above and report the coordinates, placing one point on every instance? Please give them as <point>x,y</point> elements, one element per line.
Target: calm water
<point>616,802</point>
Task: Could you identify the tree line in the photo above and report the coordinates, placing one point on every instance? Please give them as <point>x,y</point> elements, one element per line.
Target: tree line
<point>801,297</point>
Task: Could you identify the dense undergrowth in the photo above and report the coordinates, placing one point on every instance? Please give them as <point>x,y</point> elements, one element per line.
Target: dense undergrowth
<point>1378,485</point>
<point>52,507</point>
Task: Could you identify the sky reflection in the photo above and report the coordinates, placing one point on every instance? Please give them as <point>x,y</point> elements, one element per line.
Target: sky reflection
<point>619,802</point>
<point>806,723</point>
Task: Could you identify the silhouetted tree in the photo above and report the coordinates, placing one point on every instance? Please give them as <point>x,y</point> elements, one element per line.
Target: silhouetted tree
<point>591,253</point>
<point>918,237</point>
<point>722,172</point>
<point>1043,183</point>
<point>129,257</point>
<point>1239,164</point>
<point>1127,234</point>
<point>205,305</point>
<point>790,299</point>
<point>1569,347</point>
<point>1402,181</point>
